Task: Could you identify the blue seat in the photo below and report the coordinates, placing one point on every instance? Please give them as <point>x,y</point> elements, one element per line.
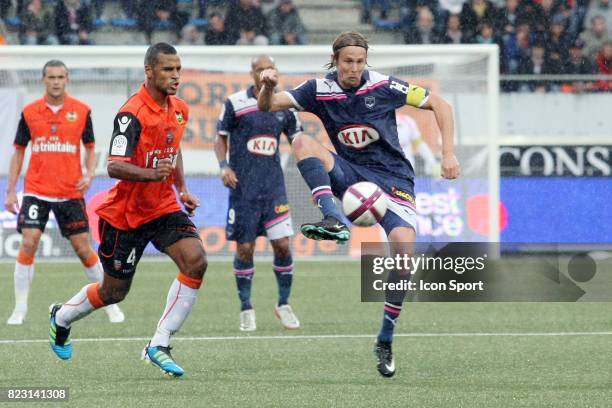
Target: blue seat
<point>199,22</point>
<point>386,24</point>
<point>13,22</point>
<point>123,23</point>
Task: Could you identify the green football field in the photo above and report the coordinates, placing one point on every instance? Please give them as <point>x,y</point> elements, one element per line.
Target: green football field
<point>447,354</point>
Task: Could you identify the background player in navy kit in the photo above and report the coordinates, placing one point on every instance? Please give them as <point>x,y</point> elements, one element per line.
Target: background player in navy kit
<point>258,202</point>
<point>357,108</point>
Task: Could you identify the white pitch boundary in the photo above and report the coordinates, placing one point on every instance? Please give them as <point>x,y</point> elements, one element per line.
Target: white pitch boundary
<point>324,337</point>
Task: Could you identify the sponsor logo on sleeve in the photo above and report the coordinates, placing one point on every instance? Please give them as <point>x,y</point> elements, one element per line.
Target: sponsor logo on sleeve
<point>119,146</point>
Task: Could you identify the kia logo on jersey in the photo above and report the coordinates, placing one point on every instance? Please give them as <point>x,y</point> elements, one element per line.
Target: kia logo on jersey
<point>262,145</point>
<point>357,137</point>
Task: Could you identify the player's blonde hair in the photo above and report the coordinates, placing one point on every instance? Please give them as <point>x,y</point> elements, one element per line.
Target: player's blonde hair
<point>347,39</point>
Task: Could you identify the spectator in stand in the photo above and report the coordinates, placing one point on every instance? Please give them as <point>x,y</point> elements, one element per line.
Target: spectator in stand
<point>191,35</point>
<point>246,23</point>
<point>160,13</point>
<point>595,37</point>
<point>474,13</point>
<point>517,48</point>
<point>486,35</point>
<point>285,26</point>
<point>510,17</point>
<point>535,65</point>
<point>557,41</point>
<point>73,22</point>
<point>424,31</point>
<point>604,66</point>
<point>543,16</point>
<point>453,33</point>
<point>366,10</point>
<point>216,33</point>
<point>447,8</point>
<point>36,23</point>
<point>599,8</point>
<point>577,64</point>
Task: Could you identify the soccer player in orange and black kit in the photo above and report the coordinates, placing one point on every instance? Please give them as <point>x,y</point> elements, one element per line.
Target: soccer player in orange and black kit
<point>142,207</point>
<point>55,124</point>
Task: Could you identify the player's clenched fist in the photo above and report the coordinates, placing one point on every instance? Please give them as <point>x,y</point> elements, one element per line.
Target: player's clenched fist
<point>450,166</point>
<point>269,77</point>
<point>163,170</point>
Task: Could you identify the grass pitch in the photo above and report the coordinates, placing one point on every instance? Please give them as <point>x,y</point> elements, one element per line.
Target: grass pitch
<point>448,355</point>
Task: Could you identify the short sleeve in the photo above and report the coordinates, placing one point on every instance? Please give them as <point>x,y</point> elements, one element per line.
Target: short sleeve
<point>227,119</point>
<point>403,93</point>
<point>126,134</point>
<point>304,95</point>
<point>88,135</point>
<point>23,136</point>
<point>292,126</point>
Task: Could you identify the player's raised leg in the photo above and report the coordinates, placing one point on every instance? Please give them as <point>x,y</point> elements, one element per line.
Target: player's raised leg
<point>190,257</point>
<point>314,164</point>
<point>24,274</point>
<point>401,241</point>
<point>244,271</point>
<point>94,270</point>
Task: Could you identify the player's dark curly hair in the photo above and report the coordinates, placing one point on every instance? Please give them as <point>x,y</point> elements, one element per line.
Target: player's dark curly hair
<point>347,39</point>
<point>156,49</point>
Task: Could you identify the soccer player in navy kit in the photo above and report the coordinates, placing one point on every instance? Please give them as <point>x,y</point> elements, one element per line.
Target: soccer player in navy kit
<point>357,108</point>
<point>258,202</point>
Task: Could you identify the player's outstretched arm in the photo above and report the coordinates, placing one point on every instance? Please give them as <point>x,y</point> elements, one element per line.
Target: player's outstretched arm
<point>10,202</point>
<point>190,201</point>
<point>268,100</point>
<point>444,117</point>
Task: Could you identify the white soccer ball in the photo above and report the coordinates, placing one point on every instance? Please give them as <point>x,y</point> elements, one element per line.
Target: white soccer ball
<point>364,203</point>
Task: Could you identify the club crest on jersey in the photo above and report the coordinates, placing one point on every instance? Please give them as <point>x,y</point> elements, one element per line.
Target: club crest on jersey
<point>179,118</point>
<point>169,137</point>
<point>370,101</point>
<point>262,145</point>
<point>357,137</point>
<point>71,116</point>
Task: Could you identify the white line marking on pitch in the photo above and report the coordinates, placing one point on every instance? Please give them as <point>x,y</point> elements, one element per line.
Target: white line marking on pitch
<point>324,336</point>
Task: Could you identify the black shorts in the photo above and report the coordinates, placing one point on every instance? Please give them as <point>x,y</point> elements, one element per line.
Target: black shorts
<point>71,215</point>
<point>120,250</point>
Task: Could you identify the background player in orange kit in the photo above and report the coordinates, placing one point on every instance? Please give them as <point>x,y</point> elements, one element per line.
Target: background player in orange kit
<point>56,125</point>
<point>142,207</point>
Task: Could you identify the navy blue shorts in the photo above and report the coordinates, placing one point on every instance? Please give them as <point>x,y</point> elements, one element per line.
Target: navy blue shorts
<point>401,211</point>
<point>248,219</point>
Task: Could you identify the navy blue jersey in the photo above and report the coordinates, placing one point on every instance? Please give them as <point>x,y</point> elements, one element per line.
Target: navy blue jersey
<point>253,144</point>
<point>361,122</point>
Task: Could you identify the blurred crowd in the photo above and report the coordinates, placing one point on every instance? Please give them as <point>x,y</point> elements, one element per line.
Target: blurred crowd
<point>238,21</point>
<point>542,37</point>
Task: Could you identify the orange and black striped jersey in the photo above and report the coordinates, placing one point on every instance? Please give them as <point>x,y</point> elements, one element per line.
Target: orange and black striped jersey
<point>144,133</point>
<point>55,163</point>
